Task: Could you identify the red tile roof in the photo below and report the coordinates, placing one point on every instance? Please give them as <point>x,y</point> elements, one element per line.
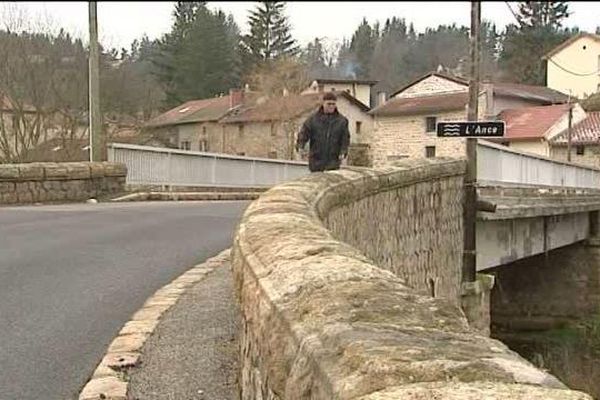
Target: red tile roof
<point>284,108</point>
<point>530,92</point>
<point>531,122</point>
<point>193,111</point>
<point>423,105</point>
<point>584,132</point>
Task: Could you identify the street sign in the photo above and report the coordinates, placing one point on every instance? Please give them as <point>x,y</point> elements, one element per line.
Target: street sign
<point>470,129</point>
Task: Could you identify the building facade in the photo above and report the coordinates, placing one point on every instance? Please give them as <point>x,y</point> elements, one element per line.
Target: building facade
<point>574,66</point>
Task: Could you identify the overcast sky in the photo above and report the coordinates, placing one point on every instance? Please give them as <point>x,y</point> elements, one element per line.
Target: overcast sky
<point>122,22</point>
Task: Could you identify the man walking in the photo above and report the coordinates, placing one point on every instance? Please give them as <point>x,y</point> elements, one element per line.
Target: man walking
<point>327,133</point>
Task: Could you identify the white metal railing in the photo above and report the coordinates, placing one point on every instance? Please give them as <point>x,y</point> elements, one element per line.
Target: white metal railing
<point>171,167</point>
<point>500,164</point>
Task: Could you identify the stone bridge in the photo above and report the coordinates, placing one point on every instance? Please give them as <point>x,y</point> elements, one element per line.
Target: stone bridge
<point>350,284</point>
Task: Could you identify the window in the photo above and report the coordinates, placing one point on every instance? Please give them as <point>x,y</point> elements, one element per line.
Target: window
<point>185,145</point>
<point>203,146</point>
<point>358,126</point>
<point>204,130</point>
<point>429,151</point>
<point>240,130</point>
<point>430,124</point>
<point>580,150</point>
<point>273,129</point>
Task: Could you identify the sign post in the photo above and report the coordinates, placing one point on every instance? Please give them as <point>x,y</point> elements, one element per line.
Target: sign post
<point>469,267</point>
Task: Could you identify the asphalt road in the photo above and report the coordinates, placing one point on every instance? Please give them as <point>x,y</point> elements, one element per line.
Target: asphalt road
<point>72,275</point>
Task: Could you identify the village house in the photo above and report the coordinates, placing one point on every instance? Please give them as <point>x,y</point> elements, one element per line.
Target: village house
<point>405,125</point>
<point>269,128</point>
<point>574,66</point>
<point>359,89</point>
<point>194,125</point>
<point>585,142</point>
<point>532,129</point>
<point>244,123</point>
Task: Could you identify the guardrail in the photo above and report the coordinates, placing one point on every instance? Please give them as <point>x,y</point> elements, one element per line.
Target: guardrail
<point>500,164</point>
<point>172,167</point>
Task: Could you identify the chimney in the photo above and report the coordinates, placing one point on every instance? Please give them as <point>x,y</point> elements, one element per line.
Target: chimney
<point>236,97</point>
<point>381,98</point>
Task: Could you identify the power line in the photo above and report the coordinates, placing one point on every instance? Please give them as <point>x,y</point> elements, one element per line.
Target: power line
<point>512,12</point>
<point>571,72</point>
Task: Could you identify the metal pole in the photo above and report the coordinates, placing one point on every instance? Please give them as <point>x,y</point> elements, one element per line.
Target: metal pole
<point>97,150</point>
<point>470,208</point>
<point>569,131</point>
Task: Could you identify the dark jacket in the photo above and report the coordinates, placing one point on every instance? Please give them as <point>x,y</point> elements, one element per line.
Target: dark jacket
<point>328,138</point>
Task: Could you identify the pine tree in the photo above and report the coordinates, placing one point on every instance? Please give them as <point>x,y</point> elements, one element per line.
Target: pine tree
<point>362,46</point>
<point>199,58</point>
<point>270,37</point>
<point>537,32</point>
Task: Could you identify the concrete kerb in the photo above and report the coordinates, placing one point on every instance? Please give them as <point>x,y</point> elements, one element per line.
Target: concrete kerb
<point>187,196</point>
<point>110,379</point>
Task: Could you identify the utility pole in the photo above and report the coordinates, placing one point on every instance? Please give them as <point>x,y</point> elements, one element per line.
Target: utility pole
<point>97,145</point>
<point>469,269</point>
<point>569,129</point>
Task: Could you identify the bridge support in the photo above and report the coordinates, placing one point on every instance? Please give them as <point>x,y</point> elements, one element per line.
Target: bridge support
<point>475,302</point>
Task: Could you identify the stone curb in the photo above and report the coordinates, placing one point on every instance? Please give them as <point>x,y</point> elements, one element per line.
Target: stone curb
<point>109,381</point>
<point>189,196</point>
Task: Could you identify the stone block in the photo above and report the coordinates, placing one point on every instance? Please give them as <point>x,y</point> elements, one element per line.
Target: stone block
<point>108,388</point>
<point>56,171</point>
<point>78,171</point>
<point>7,187</point>
<point>9,172</point>
<point>25,197</point>
<point>96,169</point>
<point>114,169</point>
<point>31,172</point>
<point>8,198</point>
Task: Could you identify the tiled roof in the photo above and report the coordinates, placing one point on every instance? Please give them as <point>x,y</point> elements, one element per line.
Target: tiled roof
<point>530,92</point>
<point>347,81</point>
<point>423,105</point>
<point>193,111</point>
<point>531,122</point>
<point>452,78</point>
<point>283,108</point>
<point>584,132</point>
<point>273,109</point>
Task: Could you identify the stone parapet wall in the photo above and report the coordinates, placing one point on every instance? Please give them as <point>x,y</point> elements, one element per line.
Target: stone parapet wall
<point>59,182</point>
<point>322,320</point>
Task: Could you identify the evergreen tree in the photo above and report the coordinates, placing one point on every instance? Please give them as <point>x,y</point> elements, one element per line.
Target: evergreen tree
<point>362,46</point>
<point>539,29</point>
<point>199,58</point>
<point>270,37</point>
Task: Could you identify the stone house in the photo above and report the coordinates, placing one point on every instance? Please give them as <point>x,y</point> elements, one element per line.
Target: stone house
<point>405,125</point>
<point>194,125</point>
<point>269,127</point>
<point>574,65</point>
<point>585,142</point>
<point>359,89</point>
<point>532,129</point>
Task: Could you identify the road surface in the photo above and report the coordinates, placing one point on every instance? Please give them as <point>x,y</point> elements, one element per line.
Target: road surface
<point>72,275</point>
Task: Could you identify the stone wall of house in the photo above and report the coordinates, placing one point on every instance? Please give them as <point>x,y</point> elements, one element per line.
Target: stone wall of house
<point>590,156</point>
<point>433,85</point>
<point>321,319</point>
<point>59,182</point>
<point>406,137</point>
